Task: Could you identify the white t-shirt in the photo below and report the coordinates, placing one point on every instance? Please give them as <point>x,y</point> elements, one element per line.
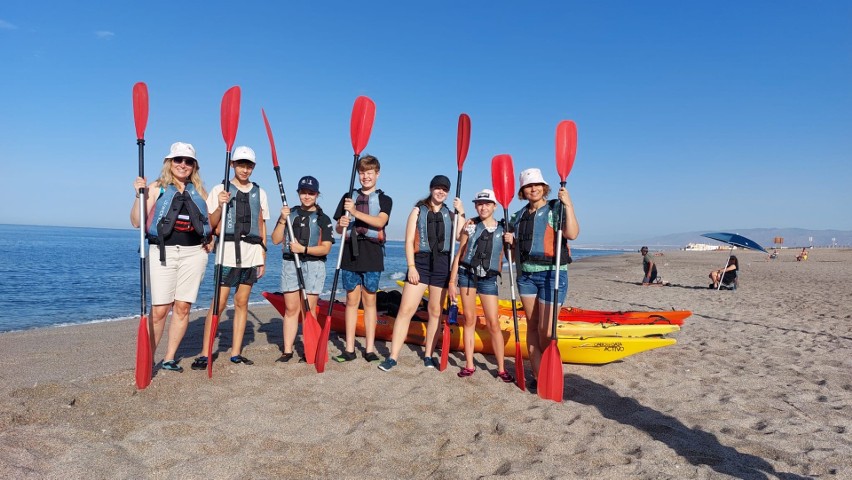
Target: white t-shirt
<point>252,254</point>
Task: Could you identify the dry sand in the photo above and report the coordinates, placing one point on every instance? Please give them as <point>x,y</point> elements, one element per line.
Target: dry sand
<point>758,386</point>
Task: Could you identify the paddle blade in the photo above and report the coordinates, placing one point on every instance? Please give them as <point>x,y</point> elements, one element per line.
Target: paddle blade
<point>566,147</point>
<point>463,140</point>
<point>230,116</point>
<point>503,179</point>
<point>445,343</point>
<point>550,378</point>
<point>310,336</point>
<point>143,355</point>
<point>214,326</point>
<point>322,345</point>
<point>271,140</point>
<point>361,125</point>
<point>519,368</point>
<point>140,108</point>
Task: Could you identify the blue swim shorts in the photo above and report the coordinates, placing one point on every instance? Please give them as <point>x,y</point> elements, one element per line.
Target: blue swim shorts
<point>483,285</point>
<point>369,280</point>
<point>540,285</point>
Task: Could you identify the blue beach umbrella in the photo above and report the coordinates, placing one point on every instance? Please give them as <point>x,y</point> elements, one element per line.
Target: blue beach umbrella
<point>734,240</point>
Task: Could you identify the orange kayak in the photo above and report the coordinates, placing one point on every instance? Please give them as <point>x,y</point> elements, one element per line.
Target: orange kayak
<point>591,344</point>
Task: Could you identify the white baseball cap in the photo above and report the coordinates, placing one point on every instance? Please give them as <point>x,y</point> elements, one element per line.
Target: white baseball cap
<point>243,153</point>
<point>486,195</point>
<point>180,149</point>
<point>532,176</point>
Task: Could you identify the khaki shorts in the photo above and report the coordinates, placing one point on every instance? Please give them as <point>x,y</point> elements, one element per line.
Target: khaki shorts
<point>181,276</point>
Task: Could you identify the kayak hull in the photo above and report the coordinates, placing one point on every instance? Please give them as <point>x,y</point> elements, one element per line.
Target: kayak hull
<point>578,343</point>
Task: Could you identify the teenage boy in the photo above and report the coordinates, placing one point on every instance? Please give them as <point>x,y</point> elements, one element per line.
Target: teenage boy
<point>362,214</point>
<point>244,258</point>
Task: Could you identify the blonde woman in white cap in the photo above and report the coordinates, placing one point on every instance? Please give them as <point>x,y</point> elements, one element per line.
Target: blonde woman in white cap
<point>534,240</point>
<point>244,259</point>
<point>178,229</point>
<point>476,268</point>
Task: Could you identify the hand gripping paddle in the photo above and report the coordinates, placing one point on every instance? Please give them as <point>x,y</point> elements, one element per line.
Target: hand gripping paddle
<point>310,326</point>
<point>550,378</point>
<point>503,182</point>
<point>230,119</point>
<point>360,127</point>
<point>144,355</point>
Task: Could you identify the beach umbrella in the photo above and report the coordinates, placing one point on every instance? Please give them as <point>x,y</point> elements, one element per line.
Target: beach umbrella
<point>734,240</point>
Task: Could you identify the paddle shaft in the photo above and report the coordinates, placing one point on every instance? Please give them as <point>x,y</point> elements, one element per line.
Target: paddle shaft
<point>351,227</point>
<point>556,300</point>
<point>143,224</point>
<point>519,360</point>
<point>220,259</point>
<point>299,275</point>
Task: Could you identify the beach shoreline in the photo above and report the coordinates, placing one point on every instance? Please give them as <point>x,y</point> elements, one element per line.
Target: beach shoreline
<point>759,385</point>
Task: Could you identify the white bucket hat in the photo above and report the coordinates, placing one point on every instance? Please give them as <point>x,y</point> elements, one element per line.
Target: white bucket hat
<point>531,176</point>
<point>180,149</point>
<point>486,195</point>
<point>243,153</point>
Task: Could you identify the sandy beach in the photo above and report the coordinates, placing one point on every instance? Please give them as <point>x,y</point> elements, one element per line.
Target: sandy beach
<point>759,385</point>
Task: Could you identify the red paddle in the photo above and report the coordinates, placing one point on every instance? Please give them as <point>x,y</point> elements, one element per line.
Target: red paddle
<point>144,355</point>
<point>462,146</point>
<point>310,326</point>
<point>503,182</point>
<point>550,378</point>
<point>360,127</point>
<point>230,117</point>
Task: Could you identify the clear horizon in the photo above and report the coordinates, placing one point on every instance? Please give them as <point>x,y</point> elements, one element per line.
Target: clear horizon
<point>690,115</point>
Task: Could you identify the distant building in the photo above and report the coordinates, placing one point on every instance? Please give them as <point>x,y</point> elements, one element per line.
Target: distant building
<point>700,247</point>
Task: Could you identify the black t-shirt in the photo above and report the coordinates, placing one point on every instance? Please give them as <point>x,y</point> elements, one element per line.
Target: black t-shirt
<point>371,255</point>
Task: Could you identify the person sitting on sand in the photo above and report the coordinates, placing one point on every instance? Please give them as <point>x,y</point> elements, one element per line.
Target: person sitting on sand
<point>803,255</point>
<point>727,274</point>
<point>178,229</point>
<point>534,228</point>
<point>649,266</point>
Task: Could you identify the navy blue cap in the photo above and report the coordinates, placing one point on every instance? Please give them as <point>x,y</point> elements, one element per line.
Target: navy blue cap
<point>309,183</point>
<point>440,181</point>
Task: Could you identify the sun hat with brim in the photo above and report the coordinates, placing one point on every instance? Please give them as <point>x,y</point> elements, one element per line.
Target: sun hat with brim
<point>531,176</point>
<point>180,149</point>
<point>486,195</point>
<point>243,153</point>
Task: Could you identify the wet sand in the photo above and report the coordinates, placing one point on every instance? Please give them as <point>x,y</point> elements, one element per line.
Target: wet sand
<point>759,385</point>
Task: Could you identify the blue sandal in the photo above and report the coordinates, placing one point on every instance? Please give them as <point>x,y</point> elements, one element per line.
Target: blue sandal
<point>173,366</point>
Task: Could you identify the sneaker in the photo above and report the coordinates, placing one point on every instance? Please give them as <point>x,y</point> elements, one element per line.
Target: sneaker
<point>387,364</point>
<point>173,366</point>
<point>200,363</point>
<point>345,357</point>
<point>241,359</point>
<point>285,357</point>
<point>505,376</point>
<point>466,372</point>
<point>371,357</point>
<point>532,386</point>
<point>429,362</point>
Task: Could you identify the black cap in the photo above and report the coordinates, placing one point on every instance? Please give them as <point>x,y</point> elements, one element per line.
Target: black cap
<point>440,181</point>
<point>309,183</point>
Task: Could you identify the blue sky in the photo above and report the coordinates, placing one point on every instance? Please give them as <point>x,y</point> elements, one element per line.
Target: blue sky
<point>691,115</point>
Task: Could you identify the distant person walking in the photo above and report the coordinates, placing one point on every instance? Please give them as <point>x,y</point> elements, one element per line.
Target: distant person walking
<point>649,267</point>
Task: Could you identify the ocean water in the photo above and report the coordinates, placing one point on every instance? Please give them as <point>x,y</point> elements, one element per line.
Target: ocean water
<point>51,276</point>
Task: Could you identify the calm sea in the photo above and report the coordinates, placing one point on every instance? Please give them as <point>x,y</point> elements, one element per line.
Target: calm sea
<point>51,276</point>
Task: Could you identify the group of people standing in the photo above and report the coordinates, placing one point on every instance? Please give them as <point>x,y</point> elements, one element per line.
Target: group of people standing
<point>183,220</point>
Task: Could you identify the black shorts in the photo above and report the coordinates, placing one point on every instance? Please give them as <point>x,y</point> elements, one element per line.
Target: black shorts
<point>233,276</point>
<point>434,270</point>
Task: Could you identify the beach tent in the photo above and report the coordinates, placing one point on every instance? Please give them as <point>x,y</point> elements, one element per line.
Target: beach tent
<point>734,240</point>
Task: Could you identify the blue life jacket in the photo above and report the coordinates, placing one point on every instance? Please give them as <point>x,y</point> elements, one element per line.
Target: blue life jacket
<point>537,238</point>
<point>433,235</point>
<point>483,253</point>
<point>306,230</point>
<point>370,205</point>
<point>241,220</point>
<point>164,216</point>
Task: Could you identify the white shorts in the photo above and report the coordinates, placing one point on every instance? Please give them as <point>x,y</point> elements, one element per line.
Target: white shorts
<point>181,276</point>
<point>313,272</point>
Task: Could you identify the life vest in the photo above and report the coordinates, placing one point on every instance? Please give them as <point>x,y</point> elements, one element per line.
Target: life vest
<point>483,252</point>
<point>429,236</point>
<point>163,218</point>
<point>537,238</point>
<point>370,205</point>
<point>241,220</point>
<point>306,230</point>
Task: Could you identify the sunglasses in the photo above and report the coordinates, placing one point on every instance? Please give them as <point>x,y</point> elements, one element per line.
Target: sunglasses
<point>190,162</point>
